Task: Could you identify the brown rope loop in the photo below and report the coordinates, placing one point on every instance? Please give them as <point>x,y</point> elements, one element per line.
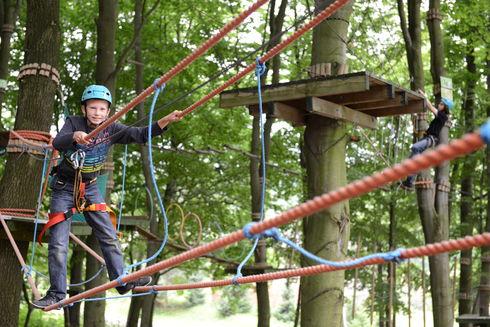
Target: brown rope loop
<point>182,232</point>
<point>7,28</point>
<point>423,183</point>
<point>40,69</point>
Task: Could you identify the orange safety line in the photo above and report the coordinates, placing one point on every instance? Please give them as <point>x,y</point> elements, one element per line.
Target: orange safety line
<point>421,251</point>
<point>180,66</point>
<point>469,143</point>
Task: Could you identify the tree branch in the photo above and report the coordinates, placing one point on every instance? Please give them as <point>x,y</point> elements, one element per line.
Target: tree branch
<point>125,53</point>
<point>403,23</point>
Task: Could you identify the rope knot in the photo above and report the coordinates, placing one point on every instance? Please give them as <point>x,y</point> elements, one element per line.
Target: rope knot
<point>259,67</point>
<point>119,280</point>
<point>26,270</point>
<point>248,234</point>
<point>234,280</point>
<point>393,256</point>
<point>155,85</point>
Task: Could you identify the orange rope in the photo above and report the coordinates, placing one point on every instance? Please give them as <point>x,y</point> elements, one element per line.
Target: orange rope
<point>442,153</point>
<point>421,251</point>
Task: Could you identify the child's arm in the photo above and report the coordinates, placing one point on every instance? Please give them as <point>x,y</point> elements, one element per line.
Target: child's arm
<point>431,107</point>
<point>123,134</point>
<point>64,140</point>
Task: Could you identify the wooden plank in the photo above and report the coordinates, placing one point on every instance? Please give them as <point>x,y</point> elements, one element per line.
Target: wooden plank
<point>399,100</point>
<point>281,111</point>
<point>332,110</point>
<point>291,91</point>
<point>412,107</point>
<point>375,93</point>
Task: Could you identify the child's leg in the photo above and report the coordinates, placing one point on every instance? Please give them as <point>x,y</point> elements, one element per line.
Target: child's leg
<point>59,236</point>
<point>421,146</point>
<point>105,234</point>
<point>417,148</point>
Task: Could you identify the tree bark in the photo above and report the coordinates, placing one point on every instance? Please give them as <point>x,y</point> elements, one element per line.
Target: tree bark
<point>76,264</point>
<point>440,272</point>
<point>485,256</point>
<point>434,214</point>
<point>34,112</point>
<point>137,302</point>
<point>326,233</point>
<point>94,312</point>
<point>466,207</point>
<point>10,12</point>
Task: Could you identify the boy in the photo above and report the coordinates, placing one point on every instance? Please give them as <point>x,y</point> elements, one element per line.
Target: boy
<point>431,135</point>
<point>74,187</point>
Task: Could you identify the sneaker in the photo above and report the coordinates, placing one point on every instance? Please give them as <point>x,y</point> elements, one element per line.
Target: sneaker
<point>143,281</point>
<point>46,301</point>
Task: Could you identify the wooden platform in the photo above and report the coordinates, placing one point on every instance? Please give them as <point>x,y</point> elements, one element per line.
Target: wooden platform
<point>357,97</point>
<point>474,319</point>
<point>22,228</point>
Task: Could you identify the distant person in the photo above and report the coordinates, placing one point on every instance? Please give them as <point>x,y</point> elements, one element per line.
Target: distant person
<point>431,135</point>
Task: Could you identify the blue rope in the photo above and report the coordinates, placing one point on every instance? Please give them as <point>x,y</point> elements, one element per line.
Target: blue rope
<point>155,186</point>
<point>485,132</point>
<point>121,202</point>
<point>394,256</point>
<point>259,71</point>
<point>38,207</point>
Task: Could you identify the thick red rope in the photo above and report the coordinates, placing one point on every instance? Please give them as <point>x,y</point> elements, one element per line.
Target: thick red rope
<point>421,251</point>
<point>180,66</point>
<point>456,148</point>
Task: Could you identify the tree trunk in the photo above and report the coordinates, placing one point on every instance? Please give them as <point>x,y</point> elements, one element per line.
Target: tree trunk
<point>94,312</point>
<point>485,256</point>
<point>9,14</point>
<point>35,108</point>
<point>326,233</point>
<point>434,216</point>
<point>467,215</point>
<point>256,178</point>
<point>137,302</point>
<point>76,265</point>
<point>440,272</point>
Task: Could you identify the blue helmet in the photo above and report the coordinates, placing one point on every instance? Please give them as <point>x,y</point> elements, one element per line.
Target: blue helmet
<point>448,103</point>
<point>97,92</point>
